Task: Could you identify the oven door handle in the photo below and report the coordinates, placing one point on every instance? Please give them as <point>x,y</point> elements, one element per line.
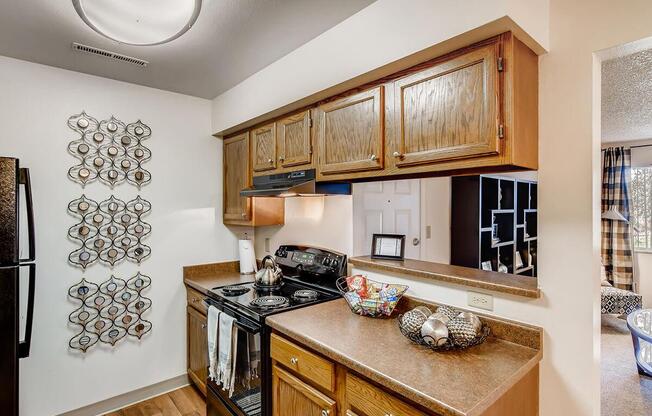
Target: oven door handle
<point>245,327</point>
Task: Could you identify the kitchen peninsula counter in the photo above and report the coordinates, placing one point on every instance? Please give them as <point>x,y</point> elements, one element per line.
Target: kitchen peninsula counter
<point>461,383</point>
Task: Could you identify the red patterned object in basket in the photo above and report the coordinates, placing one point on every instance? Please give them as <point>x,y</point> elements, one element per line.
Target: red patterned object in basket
<point>368,297</point>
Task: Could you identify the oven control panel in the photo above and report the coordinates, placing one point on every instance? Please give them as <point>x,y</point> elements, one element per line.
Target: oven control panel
<point>297,259</point>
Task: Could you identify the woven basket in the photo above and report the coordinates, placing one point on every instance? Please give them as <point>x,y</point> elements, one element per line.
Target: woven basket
<point>369,307</point>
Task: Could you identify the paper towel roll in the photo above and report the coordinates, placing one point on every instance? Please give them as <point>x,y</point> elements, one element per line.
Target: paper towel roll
<point>247,256</point>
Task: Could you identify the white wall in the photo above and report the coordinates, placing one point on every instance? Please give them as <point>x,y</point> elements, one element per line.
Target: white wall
<point>643,276</point>
<point>381,33</point>
<point>320,221</point>
<point>185,193</point>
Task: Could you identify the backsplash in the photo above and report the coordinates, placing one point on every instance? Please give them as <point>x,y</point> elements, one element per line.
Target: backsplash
<point>322,221</point>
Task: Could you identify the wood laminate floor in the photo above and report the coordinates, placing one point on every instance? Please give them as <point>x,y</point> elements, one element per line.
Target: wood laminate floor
<point>186,401</point>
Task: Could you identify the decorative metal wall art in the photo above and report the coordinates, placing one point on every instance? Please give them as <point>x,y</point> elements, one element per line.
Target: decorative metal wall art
<point>109,311</point>
<point>109,150</point>
<point>109,231</point>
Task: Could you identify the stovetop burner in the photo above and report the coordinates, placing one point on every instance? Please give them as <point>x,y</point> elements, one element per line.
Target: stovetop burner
<point>269,302</point>
<point>269,288</point>
<point>235,290</point>
<point>303,295</point>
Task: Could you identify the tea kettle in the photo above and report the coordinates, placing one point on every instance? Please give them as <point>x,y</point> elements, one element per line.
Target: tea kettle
<point>269,274</point>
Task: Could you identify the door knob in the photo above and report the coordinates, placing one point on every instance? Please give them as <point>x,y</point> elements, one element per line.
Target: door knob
<point>280,159</point>
<point>203,326</point>
<point>294,360</point>
<point>373,158</point>
<point>270,160</point>
<point>415,241</point>
<point>397,155</point>
<point>325,412</point>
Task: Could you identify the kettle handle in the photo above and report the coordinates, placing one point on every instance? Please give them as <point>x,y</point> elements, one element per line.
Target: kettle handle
<point>265,259</point>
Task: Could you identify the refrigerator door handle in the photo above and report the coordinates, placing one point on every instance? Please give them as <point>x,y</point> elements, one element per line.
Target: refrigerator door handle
<point>24,346</point>
<point>25,180</point>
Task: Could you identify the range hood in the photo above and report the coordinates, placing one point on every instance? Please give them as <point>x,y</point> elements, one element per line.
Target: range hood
<point>297,183</point>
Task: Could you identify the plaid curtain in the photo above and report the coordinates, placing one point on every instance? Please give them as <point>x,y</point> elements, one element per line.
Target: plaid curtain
<point>616,241</point>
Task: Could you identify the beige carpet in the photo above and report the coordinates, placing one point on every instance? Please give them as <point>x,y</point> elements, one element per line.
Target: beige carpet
<point>624,391</point>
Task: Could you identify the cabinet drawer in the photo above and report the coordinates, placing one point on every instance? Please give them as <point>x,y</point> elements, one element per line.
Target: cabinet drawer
<point>196,300</point>
<point>314,368</point>
<point>372,401</point>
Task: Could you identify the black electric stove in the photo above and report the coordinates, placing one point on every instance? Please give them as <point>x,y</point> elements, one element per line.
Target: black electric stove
<point>309,277</point>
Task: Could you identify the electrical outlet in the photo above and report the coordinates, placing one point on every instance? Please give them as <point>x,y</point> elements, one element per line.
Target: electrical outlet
<point>481,300</point>
<point>267,245</point>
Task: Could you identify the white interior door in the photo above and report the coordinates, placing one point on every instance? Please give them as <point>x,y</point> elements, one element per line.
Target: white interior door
<point>389,207</point>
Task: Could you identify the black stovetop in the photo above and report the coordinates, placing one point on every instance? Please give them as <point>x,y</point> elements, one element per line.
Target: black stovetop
<point>247,301</point>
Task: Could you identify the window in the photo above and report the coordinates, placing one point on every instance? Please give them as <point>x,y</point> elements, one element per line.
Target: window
<point>641,208</point>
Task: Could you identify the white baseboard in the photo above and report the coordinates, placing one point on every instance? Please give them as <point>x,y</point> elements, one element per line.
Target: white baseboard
<point>124,400</point>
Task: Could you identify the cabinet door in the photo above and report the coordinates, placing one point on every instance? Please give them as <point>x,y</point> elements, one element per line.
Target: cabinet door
<point>351,133</point>
<point>368,400</point>
<point>293,397</point>
<point>294,141</point>
<point>197,348</point>
<point>236,177</point>
<point>263,143</point>
<point>449,111</point>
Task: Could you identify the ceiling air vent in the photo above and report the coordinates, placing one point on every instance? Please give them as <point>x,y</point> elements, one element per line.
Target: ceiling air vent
<point>108,54</point>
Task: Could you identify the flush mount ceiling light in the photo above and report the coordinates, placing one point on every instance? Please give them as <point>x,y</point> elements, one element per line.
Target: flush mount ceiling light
<point>139,22</point>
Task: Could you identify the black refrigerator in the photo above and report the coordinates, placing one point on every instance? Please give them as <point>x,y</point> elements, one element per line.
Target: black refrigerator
<point>16,262</point>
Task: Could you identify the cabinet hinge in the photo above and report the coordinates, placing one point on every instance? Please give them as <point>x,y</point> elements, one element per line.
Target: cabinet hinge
<point>501,65</point>
<point>310,122</point>
<point>310,149</point>
<point>501,131</point>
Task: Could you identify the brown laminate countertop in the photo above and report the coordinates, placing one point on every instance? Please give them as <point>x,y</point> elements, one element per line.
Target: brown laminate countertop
<point>459,383</point>
<point>204,277</point>
<point>499,282</point>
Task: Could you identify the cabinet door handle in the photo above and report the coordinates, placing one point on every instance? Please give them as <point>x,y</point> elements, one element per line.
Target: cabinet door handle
<point>270,160</point>
<point>397,155</point>
<point>244,214</point>
<point>325,412</point>
<point>373,158</point>
<point>294,360</point>
<point>203,326</point>
<point>195,300</point>
<point>281,159</point>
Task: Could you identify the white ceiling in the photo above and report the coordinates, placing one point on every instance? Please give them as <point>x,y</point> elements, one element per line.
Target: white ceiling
<point>627,97</point>
<point>231,40</point>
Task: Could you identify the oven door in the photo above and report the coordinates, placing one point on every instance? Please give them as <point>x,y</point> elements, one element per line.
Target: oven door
<point>246,399</point>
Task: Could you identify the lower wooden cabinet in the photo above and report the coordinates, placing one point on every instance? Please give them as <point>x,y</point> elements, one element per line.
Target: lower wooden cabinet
<point>307,384</point>
<point>293,397</point>
<point>197,347</point>
<point>368,400</point>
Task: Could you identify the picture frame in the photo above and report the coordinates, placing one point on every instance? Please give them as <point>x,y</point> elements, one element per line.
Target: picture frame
<point>486,265</point>
<point>388,246</point>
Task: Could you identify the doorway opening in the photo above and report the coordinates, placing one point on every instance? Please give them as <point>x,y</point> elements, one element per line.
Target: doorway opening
<point>626,227</point>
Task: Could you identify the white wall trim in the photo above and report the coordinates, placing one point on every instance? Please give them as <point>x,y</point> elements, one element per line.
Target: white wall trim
<point>132,397</point>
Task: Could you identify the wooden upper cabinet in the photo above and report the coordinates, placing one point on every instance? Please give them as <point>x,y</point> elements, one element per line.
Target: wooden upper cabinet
<point>294,140</point>
<point>450,110</point>
<point>237,176</point>
<point>473,110</point>
<point>263,144</point>
<point>351,133</point>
